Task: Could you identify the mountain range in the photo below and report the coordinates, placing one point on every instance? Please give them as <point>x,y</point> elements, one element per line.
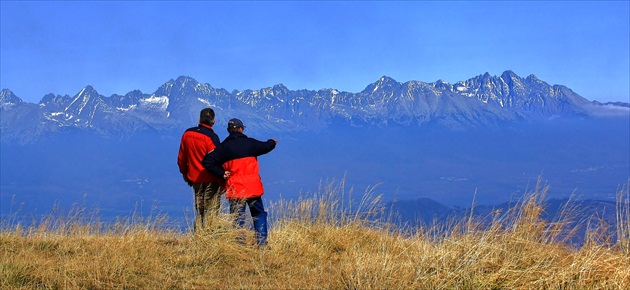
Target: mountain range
<point>428,146</point>
<point>483,100</point>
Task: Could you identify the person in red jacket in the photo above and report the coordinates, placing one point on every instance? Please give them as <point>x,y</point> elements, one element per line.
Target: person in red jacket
<point>236,161</point>
<point>196,142</point>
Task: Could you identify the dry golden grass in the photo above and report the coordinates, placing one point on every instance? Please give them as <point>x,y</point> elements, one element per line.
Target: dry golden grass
<point>321,242</point>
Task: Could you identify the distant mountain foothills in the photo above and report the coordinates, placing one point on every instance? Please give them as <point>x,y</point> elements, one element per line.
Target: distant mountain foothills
<point>584,215</point>
<point>484,100</point>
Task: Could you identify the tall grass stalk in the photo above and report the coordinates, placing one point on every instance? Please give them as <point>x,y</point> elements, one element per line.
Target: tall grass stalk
<point>623,218</point>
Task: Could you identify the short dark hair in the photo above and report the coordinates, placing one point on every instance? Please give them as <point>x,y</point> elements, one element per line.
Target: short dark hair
<point>207,116</point>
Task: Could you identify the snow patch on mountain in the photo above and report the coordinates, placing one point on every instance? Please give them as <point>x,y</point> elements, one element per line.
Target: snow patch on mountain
<point>131,107</point>
<point>154,102</point>
<point>205,102</point>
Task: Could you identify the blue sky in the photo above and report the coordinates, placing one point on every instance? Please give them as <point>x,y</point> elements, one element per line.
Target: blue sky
<point>61,46</point>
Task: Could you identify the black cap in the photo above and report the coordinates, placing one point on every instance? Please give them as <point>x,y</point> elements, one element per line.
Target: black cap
<point>235,123</point>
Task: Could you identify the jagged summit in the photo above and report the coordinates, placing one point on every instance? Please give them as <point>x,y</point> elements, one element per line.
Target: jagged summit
<point>509,74</point>
<point>280,87</point>
<point>382,83</point>
<point>87,92</point>
<point>9,99</point>
<point>7,95</point>
<point>386,79</point>
<point>183,81</point>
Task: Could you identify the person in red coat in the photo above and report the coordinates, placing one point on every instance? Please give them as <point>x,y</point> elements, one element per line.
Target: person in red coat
<point>236,160</point>
<point>196,142</point>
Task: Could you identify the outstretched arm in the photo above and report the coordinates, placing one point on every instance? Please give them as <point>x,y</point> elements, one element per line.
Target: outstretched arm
<point>265,147</point>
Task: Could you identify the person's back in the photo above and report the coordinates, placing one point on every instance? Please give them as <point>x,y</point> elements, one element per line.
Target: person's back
<point>239,154</point>
<point>236,160</point>
<point>196,142</point>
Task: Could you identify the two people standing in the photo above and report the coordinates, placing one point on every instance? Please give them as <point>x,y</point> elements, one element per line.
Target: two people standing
<point>233,168</point>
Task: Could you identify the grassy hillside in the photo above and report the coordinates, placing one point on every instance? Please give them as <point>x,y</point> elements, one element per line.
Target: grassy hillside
<point>324,241</point>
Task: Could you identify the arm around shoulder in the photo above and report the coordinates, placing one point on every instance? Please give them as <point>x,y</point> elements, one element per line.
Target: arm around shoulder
<point>213,163</point>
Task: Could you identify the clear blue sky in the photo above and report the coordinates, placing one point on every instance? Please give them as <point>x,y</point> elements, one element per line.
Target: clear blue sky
<point>61,46</point>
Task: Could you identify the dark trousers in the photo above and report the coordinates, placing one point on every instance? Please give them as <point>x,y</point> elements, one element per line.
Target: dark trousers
<point>207,202</point>
<point>258,213</point>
